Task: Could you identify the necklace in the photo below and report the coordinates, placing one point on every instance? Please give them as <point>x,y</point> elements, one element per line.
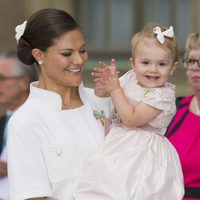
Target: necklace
<point>196,106</point>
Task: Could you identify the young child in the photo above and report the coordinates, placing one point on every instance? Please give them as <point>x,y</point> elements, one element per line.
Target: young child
<point>136,161</point>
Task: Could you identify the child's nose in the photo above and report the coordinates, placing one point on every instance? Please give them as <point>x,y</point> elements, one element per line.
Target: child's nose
<point>153,67</point>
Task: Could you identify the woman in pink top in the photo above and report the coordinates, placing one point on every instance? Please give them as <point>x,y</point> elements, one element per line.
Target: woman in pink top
<point>184,130</point>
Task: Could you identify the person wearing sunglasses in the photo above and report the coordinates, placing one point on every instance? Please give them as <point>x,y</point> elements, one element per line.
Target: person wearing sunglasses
<point>184,130</point>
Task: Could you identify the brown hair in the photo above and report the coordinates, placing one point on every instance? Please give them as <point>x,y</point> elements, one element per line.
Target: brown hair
<point>42,29</point>
<point>147,32</point>
<point>192,42</point>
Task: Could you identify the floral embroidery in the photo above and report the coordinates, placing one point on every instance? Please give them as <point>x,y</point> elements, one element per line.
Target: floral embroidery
<point>147,90</point>
<point>100,116</point>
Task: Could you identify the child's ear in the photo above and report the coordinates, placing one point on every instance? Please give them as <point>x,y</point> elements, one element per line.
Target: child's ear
<point>131,62</point>
<point>174,68</point>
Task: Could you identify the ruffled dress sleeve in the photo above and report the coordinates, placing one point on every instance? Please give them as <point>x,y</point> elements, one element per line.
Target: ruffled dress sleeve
<point>164,99</point>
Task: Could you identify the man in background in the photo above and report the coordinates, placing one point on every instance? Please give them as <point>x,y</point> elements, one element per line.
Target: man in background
<point>15,78</point>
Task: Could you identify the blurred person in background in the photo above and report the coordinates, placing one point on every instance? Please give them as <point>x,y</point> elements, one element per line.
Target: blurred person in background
<point>2,124</point>
<point>184,130</point>
<point>15,78</point>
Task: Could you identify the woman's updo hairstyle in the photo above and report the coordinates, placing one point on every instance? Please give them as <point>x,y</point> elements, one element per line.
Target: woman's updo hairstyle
<point>42,29</point>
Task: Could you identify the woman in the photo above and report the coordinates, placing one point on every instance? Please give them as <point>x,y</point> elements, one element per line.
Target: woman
<point>184,130</point>
<point>60,124</point>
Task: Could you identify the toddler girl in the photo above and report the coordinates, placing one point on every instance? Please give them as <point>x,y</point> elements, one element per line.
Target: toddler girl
<point>136,161</point>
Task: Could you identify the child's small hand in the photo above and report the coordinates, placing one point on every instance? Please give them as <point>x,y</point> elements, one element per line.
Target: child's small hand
<point>104,70</point>
<point>106,77</point>
<point>97,73</point>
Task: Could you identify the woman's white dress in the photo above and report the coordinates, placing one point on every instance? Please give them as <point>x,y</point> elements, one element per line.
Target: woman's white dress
<point>137,163</point>
<point>48,146</point>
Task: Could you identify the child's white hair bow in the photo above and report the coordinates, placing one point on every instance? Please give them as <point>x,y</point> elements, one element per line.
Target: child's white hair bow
<point>20,30</point>
<point>161,35</point>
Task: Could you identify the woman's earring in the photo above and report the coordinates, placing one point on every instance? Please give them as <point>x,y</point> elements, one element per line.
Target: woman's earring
<point>40,62</point>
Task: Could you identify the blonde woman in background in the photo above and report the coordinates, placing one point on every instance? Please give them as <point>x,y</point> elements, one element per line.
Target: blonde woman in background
<point>184,130</point>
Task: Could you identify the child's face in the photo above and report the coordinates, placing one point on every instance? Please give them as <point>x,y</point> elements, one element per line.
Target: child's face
<point>152,64</point>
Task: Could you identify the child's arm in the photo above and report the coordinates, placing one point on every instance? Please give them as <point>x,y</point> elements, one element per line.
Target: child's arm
<point>132,115</point>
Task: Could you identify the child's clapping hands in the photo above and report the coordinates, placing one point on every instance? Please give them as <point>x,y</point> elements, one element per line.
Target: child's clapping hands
<point>106,78</point>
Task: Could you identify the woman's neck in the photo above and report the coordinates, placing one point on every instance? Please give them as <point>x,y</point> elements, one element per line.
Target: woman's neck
<point>69,95</point>
<point>195,104</point>
<point>71,99</point>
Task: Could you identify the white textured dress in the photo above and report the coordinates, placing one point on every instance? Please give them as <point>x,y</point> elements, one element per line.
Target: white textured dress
<point>138,163</point>
<point>48,146</point>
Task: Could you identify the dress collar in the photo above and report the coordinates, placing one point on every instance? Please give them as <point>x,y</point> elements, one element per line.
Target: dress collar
<point>50,98</point>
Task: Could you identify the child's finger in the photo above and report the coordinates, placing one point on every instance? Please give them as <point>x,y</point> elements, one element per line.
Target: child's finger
<point>96,74</point>
<point>97,70</point>
<point>102,64</point>
<point>99,88</point>
<point>113,63</point>
<point>113,67</point>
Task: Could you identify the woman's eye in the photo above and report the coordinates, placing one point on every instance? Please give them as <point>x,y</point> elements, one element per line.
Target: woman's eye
<point>66,54</point>
<point>192,61</point>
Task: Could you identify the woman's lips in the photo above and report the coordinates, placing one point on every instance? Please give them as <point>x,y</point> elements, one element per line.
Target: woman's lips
<point>195,78</point>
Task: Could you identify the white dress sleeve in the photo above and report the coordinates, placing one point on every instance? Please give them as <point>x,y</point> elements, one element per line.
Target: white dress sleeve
<point>24,152</point>
<point>161,98</point>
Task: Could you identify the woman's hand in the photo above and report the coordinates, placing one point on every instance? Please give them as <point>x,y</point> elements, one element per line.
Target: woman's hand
<point>3,168</point>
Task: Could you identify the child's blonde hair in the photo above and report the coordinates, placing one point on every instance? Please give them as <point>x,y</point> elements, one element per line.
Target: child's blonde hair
<point>147,32</point>
<point>192,42</point>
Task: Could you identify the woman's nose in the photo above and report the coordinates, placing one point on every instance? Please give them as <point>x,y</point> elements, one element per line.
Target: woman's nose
<point>78,59</point>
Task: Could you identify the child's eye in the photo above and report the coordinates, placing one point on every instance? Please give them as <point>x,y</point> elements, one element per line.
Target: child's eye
<point>162,64</point>
<point>83,51</point>
<point>145,62</point>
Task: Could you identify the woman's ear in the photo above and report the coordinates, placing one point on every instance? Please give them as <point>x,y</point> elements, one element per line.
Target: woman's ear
<point>174,67</point>
<point>37,54</point>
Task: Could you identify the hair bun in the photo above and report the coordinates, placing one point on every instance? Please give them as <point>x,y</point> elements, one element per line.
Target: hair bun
<point>24,52</point>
